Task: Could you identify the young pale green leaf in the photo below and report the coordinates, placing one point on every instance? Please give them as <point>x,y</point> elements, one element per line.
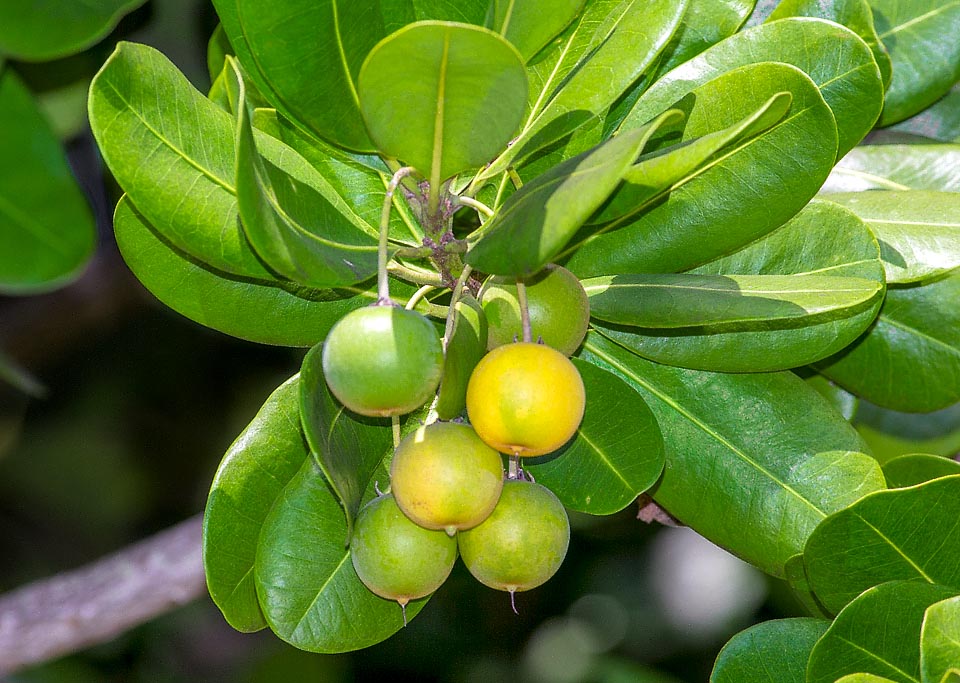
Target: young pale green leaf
<point>823,239</point>
<point>918,468</point>
<point>668,301</point>
<point>940,121</point>
<point>656,174</point>
<point>856,15</point>
<point>715,210</point>
<point>530,24</point>
<point>256,310</point>
<point>638,29</point>
<point>616,455</point>
<point>835,58</point>
<point>770,652</point>
<point>47,233</point>
<point>536,223</point>
<point>940,641</point>
<point>878,633</point>
<point>457,100</point>
<point>748,445</point>
<point>910,359</point>
<point>348,447</point>
<point>308,589</point>
<point>466,346</point>
<point>218,47</point>
<point>918,231</point>
<point>296,230</point>
<point>920,36</point>
<point>897,167</point>
<point>42,30</point>
<point>889,531</point>
<point>863,678</point>
<point>263,459</point>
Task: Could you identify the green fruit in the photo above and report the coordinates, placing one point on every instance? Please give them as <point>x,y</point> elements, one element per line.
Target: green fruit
<point>522,543</point>
<point>395,558</point>
<point>383,360</point>
<point>558,306</point>
<point>444,476</point>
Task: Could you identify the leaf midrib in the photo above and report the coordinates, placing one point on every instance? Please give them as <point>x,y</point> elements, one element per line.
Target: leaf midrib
<point>918,20</point>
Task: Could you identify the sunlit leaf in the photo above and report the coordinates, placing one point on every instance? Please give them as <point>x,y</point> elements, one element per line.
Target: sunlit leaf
<point>918,468</point>
<point>770,652</point>
<point>940,641</point>
<point>530,24</point>
<point>897,167</point>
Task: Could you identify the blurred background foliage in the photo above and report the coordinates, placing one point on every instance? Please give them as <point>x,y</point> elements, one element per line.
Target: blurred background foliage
<point>140,404</point>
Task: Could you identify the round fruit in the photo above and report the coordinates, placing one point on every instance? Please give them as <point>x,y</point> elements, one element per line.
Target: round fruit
<point>395,558</point>
<point>525,399</point>
<point>522,543</point>
<point>444,476</point>
<point>383,360</point>
<point>558,306</point>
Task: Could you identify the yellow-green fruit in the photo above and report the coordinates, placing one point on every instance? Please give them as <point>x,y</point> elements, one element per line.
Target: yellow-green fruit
<point>395,558</point>
<point>557,303</point>
<point>525,399</point>
<point>522,543</point>
<point>445,477</point>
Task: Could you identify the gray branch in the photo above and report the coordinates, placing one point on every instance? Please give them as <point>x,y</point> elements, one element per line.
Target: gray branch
<point>96,603</point>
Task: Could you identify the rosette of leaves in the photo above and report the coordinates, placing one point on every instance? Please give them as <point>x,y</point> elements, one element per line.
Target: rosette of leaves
<point>668,156</point>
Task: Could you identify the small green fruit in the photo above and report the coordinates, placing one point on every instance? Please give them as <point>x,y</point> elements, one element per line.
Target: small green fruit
<point>383,360</point>
<point>558,306</point>
<point>445,477</point>
<point>522,543</point>
<point>395,558</point>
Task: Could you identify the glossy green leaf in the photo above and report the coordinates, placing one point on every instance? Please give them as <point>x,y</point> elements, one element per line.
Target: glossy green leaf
<point>918,231</point>
<point>770,652</point>
<point>897,167</point>
<point>911,533</point>
<point>940,121</point>
<point>716,211</point>
<point>845,402</point>
<point>616,455</point>
<point>910,359</point>
<point>835,58</point>
<point>298,232</point>
<point>683,300</point>
<point>940,641</point>
<point>466,346</point>
<point>348,447</point>
<point>877,633</point>
<point>822,239</point>
<point>854,14</point>
<point>457,102</point>
<point>536,223</point>
<point>766,455</point>
<point>658,173</point>
<point>863,678</point>
<point>796,576</point>
<point>41,30</point>
<point>263,459</point>
<point>310,593</point>
<point>918,468</point>
<point>255,310</point>
<point>530,24</point>
<point>638,28</point>
<point>920,37</point>
<point>47,233</point>
<point>171,150</point>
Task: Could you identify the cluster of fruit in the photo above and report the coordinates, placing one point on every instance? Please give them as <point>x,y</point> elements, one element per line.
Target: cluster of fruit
<point>448,492</point>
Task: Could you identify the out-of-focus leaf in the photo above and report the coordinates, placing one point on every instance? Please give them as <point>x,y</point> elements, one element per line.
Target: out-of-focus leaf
<point>767,456</point>
<point>770,652</point>
<point>466,346</point>
<point>878,633</point>
<point>41,30</point>
<point>16,376</point>
<point>891,433</point>
<point>897,167</point>
<point>263,459</point>
<point>456,102</point>
<point>918,231</point>
<point>920,37</point>
<point>47,233</point>
<point>616,454</point>
<point>940,641</point>
<point>530,24</point>
<point>845,402</point>
<point>911,533</point>
<point>918,468</point>
<point>940,121</point>
<point>909,359</point>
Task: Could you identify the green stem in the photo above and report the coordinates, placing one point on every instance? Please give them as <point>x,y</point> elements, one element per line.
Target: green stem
<point>383,279</point>
<point>454,298</point>
<point>524,310</point>
<point>419,294</point>
<point>417,277</point>
<point>395,423</point>
<point>479,206</point>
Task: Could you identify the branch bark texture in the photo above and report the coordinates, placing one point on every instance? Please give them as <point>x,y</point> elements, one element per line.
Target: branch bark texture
<point>95,603</point>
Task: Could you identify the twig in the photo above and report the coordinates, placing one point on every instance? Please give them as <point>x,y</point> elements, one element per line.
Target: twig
<point>96,603</point>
